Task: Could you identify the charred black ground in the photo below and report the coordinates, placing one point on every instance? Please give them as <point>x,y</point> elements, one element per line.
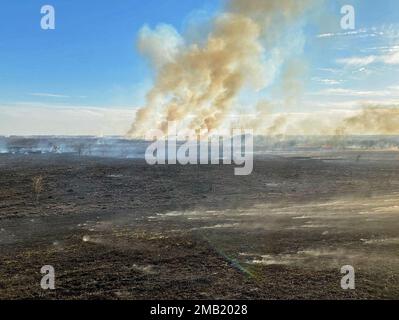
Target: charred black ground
<point>120,229</point>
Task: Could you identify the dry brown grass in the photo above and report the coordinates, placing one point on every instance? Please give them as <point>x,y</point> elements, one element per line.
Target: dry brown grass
<point>37,185</point>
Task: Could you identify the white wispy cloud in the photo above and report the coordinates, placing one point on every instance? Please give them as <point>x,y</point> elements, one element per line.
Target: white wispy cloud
<point>389,59</point>
<point>330,70</point>
<point>357,61</point>
<point>48,95</point>
<point>343,34</point>
<point>327,81</point>
<point>385,31</point>
<point>346,93</point>
<point>382,49</point>
<point>357,93</point>
<point>388,54</point>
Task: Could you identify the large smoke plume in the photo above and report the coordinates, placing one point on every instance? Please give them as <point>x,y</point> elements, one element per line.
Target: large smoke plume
<point>197,84</point>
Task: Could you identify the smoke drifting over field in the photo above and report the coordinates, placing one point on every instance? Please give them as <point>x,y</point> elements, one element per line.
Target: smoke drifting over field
<point>372,120</point>
<point>369,120</point>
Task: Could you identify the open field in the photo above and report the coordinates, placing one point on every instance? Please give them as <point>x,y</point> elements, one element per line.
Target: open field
<point>120,229</point>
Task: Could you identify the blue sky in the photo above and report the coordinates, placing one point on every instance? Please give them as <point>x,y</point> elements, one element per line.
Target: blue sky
<point>90,57</point>
<point>90,63</point>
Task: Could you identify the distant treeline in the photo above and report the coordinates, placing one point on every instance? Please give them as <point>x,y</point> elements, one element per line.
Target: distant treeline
<point>125,148</point>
